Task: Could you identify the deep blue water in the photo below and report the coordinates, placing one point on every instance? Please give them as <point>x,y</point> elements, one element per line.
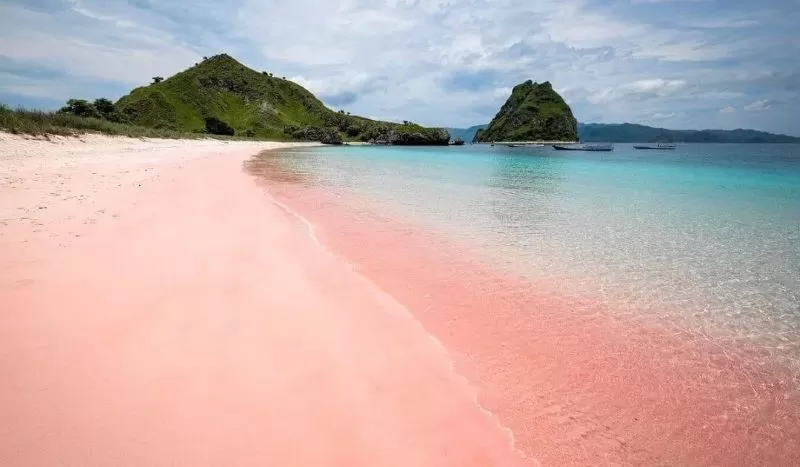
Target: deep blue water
<point>707,236</point>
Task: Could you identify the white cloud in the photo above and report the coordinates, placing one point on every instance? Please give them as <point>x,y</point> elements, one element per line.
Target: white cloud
<point>727,110</point>
<point>577,28</point>
<point>689,50</point>
<point>721,23</point>
<point>88,49</point>
<point>658,86</point>
<point>639,90</point>
<point>662,115</point>
<point>665,1</point>
<point>758,106</point>
<point>402,57</point>
<point>80,8</point>
<point>503,92</point>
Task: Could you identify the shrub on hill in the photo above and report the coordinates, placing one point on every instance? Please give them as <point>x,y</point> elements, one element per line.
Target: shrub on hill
<point>216,126</point>
<point>101,108</point>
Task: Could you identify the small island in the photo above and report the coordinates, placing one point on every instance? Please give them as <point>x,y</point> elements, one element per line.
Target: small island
<point>534,112</point>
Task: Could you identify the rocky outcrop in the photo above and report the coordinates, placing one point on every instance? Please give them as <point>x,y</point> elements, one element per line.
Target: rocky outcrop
<point>401,137</point>
<point>534,112</point>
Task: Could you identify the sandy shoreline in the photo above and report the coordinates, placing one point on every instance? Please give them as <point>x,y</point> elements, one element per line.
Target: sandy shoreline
<point>159,309</point>
<point>166,303</point>
<point>577,383</point>
<point>55,188</point>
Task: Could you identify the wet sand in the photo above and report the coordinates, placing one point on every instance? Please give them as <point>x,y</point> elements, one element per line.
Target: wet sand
<point>157,308</point>
<point>576,384</point>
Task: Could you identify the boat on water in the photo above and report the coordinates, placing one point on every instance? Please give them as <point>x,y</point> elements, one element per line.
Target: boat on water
<point>524,145</point>
<point>583,147</point>
<point>457,142</point>
<point>660,146</point>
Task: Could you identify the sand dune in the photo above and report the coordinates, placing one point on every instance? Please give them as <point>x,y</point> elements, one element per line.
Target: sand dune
<point>157,308</point>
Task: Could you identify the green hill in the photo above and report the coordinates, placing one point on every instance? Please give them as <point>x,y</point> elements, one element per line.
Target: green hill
<point>534,112</point>
<point>633,133</point>
<point>220,95</point>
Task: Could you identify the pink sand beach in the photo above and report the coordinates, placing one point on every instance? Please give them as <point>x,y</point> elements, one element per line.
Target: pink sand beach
<point>167,303</point>
<point>156,308</point>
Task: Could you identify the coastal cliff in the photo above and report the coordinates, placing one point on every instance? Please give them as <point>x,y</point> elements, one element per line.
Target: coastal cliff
<point>534,112</point>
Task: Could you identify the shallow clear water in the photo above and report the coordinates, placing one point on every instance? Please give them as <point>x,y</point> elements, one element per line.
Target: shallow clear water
<point>706,237</point>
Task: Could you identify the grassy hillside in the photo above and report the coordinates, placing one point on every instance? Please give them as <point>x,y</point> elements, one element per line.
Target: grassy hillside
<point>534,112</point>
<point>255,104</point>
<point>632,133</point>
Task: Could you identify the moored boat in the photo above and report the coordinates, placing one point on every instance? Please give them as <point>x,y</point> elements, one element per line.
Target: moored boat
<point>660,146</point>
<point>524,145</point>
<point>583,147</point>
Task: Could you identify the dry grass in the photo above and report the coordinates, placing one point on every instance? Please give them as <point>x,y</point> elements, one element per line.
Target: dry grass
<point>39,123</point>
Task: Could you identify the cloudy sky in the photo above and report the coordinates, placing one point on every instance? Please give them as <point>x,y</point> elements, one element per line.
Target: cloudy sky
<point>671,63</point>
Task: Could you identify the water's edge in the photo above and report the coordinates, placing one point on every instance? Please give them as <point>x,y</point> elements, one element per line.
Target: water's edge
<point>573,385</point>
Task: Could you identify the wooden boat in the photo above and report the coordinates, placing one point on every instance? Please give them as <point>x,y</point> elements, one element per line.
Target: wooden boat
<point>658,147</point>
<point>583,147</point>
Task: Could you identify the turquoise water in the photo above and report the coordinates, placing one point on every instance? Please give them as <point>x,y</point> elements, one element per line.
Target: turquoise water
<point>706,237</point>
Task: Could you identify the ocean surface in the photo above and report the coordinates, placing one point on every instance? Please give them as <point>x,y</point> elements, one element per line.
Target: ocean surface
<point>703,241</point>
<point>708,231</point>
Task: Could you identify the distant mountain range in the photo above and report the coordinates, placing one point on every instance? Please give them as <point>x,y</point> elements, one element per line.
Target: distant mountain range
<point>633,133</point>
<point>465,134</point>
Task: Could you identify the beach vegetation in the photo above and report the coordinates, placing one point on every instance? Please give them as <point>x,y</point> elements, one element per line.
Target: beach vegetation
<point>101,108</point>
<point>41,124</point>
<point>81,108</point>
